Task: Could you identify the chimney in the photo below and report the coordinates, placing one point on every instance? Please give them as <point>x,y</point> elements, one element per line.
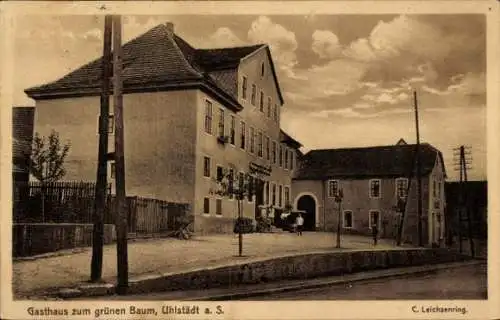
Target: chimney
<point>170,27</point>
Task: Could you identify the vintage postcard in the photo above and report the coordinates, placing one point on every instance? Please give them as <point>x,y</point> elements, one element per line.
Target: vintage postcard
<point>250,160</point>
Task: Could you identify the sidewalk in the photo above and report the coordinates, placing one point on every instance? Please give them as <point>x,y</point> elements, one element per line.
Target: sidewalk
<point>157,256</point>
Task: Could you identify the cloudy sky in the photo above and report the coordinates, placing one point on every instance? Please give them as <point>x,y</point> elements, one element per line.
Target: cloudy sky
<point>347,80</point>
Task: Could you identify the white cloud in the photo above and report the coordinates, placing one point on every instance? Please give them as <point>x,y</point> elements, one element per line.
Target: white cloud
<point>282,42</point>
<point>361,50</point>
<point>462,85</point>
<point>362,105</point>
<point>325,44</point>
<point>403,34</point>
<point>225,37</point>
<point>133,28</point>
<point>350,112</point>
<point>320,82</point>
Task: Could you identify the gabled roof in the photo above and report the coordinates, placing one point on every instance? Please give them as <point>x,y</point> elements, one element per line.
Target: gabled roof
<point>381,161</point>
<point>158,60</point>
<point>285,138</point>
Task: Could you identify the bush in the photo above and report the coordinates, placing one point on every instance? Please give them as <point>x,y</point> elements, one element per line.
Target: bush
<point>244,225</point>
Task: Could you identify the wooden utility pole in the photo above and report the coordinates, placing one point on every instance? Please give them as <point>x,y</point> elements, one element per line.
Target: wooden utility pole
<point>121,218</point>
<point>404,202</point>
<point>419,174</point>
<point>102,166</point>
<point>463,165</point>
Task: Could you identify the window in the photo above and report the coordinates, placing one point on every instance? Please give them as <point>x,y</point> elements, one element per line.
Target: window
<point>252,140</point>
<point>230,184</point>
<point>262,69</point>
<point>273,193</point>
<point>269,103</point>
<point>268,153</point>
<point>401,187</point>
<point>434,187</point>
<point>243,135</point>
<point>218,207</point>
<point>286,157</point>
<point>439,189</point>
<point>260,145</point>
<point>333,188</point>
<point>244,88</point>
<point>347,221</point>
<point>220,173</point>
<point>206,166</point>
<point>275,113</point>
<point>206,205</point>
<point>250,188</point>
<point>254,93</point>
<point>287,195</point>
<point>280,196</point>
<point>274,152</point>
<point>241,181</point>
<point>261,102</point>
<point>266,192</point>
<point>232,133</point>
<point>291,160</point>
<point>208,117</point>
<point>112,170</point>
<point>375,188</point>
<point>280,155</point>
<point>374,218</point>
<point>111,124</point>
<point>221,123</point>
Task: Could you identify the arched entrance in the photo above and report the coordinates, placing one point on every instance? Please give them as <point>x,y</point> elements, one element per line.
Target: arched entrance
<point>308,204</point>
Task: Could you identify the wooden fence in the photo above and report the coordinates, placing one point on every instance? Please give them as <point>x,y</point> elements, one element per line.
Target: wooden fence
<point>74,202</point>
<point>58,202</point>
<point>150,216</point>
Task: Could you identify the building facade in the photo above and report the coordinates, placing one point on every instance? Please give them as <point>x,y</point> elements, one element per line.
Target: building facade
<point>374,183</point>
<point>189,116</point>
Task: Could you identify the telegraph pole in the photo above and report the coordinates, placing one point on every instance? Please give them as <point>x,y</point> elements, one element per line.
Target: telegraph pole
<point>462,165</point>
<point>402,203</point>
<point>102,166</point>
<point>419,175</point>
<point>121,219</point>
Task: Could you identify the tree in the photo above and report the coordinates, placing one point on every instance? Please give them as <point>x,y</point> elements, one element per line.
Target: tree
<point>47,157</point>
<point>47,161</point>
<point>241,185</point>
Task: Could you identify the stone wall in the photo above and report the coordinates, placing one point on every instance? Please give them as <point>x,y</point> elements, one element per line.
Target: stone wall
<point>294,267</point>
<point>36,238</point>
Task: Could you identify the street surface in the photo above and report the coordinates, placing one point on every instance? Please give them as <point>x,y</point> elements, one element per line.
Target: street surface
<point>155,256</point>
<point>468,282</point>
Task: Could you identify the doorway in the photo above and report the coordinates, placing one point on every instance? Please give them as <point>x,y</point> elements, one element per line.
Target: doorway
<point>308,204</point>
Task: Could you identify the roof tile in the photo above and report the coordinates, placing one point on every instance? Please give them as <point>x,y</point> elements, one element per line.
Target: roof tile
<point>382,161</point>
<point>158,56</point>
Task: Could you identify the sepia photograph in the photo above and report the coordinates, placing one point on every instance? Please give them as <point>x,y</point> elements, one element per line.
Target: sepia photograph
<point>179,159</point>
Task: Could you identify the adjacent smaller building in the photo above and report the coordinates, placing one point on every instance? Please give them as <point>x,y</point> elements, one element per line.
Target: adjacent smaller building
<point>373,181</point>
<point>474,196</point>
<point>22,136</point>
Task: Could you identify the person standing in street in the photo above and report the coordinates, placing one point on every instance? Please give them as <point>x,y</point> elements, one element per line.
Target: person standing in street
<point>299,222</point>
<point>374,233</point>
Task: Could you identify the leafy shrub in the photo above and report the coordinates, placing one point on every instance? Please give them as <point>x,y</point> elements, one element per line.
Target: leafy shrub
<point>244,225</point>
